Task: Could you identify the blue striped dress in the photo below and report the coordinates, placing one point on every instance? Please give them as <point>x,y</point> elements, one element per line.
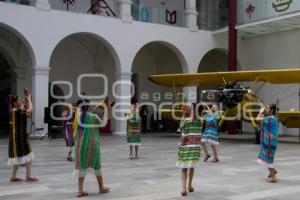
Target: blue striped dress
<point>210,134</point>
<point>268,140</point>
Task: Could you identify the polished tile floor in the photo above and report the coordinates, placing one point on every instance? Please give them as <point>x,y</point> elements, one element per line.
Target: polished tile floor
<point>154,176</point>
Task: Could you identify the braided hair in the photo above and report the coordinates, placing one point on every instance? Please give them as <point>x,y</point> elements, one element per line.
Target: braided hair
<point>11,100</point>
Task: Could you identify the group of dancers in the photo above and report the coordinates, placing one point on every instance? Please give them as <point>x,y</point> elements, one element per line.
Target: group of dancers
<point>199,131</point>
<point>83,134</point>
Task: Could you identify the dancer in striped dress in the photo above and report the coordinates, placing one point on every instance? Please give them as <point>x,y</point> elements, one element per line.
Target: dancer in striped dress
<point>210,134</point>
<point>189,147</point>
<point>269,139</point>
<point>133,131</point>
<point>19,148</point>
<point>87,148</point>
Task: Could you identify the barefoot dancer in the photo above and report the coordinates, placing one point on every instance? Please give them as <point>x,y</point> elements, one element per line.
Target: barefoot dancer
<point>210,134</point>
<point>87,148</point>
<point>189,147</point>
<point>269,139</point>
<point>133,131</point>
<point>20,152</point>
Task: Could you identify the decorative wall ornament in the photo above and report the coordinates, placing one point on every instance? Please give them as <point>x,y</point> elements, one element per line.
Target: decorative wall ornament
<point>101,6</point>
<point>282,5</point>
<point>171,17</point>
<point>144,14</point>
<point>250,10</point>
<point>68,3</point>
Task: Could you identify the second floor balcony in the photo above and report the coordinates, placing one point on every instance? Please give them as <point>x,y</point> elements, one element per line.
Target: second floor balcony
<point>211,14</point>
<point>250,11</point>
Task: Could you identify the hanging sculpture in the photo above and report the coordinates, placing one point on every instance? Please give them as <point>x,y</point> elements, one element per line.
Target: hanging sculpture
<point>68,2</point>
<point>101,6</point>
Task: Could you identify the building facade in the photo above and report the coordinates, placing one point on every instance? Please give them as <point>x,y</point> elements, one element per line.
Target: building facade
<point>67,42</point>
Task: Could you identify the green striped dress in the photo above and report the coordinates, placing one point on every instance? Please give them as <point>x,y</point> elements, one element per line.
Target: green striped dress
<point>133,129</point>
<point>190,143</point>
<point>87,146</point>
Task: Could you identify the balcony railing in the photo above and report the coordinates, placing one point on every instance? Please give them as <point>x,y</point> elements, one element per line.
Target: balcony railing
<point>212,22</point>
<point>212,14</point>
<point>257,10</point>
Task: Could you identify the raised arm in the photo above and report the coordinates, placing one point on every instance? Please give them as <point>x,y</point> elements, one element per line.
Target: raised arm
<point>207,108</point>
<point>260,116</point>
<point>28,103</point>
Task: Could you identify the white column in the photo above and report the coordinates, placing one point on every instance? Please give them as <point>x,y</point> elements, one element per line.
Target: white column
<point>42,4</point>
<point>191,15</point>
<point>40,84</point>
<point>123,101</point>
<point>190,94</point>
<point>20,80</point>
<point>125,10</point>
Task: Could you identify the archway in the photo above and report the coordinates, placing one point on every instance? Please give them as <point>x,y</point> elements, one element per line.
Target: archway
<point>16,61</point>
<point>213,61</point>
<point>156,58</point>
<point>5,90</point>
<point>83,54</point>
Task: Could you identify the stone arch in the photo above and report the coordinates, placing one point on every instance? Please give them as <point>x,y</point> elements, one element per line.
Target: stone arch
<point>156,57</point>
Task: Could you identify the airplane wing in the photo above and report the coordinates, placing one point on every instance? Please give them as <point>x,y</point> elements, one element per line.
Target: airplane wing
<point>290,119</point>
<point>281,76</point>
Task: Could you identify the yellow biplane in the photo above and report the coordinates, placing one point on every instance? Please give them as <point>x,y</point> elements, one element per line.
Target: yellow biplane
<point>234,94</point>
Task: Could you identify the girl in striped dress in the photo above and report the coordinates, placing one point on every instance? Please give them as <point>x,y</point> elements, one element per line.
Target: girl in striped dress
<point>210,134</point>
<point>87,148</point>
<point>133,131</point>
<point>189,147</point>
<point>269,139</point>
<point>19,148</point>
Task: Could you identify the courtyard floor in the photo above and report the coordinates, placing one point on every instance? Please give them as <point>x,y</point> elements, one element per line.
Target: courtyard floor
<point>154,176</point>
